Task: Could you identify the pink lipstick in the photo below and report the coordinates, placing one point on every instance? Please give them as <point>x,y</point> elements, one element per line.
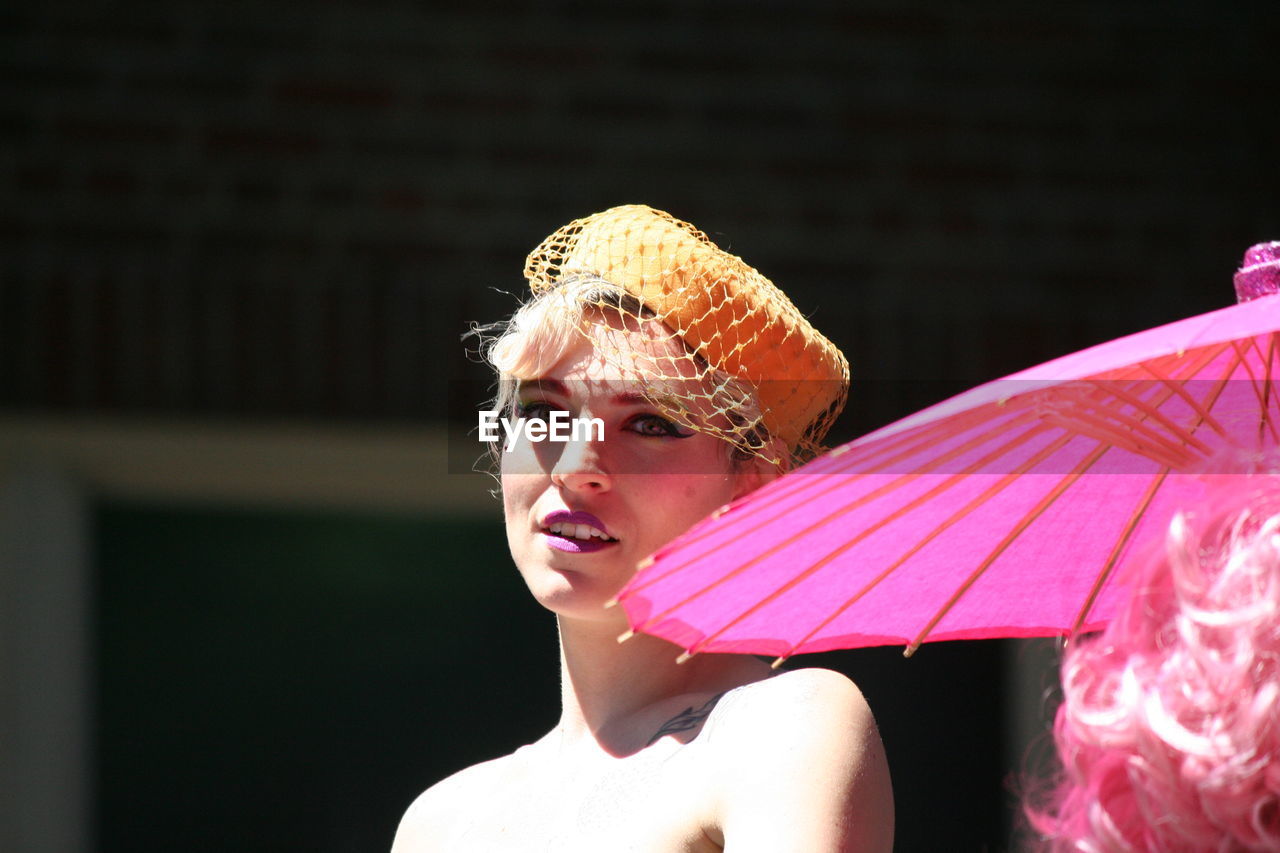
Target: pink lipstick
<point>566,537</point>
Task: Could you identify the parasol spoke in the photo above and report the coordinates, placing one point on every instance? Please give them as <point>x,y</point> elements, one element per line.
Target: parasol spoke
<point>1220,384</point>
<point>1040,508</point>
<point>1034,513</point>
<point>1131,524</point>
<point>1178,386</point>
<point>1109,387</point>
<point>1261,387</point>
<point>1148,411</point>
<point>836,514</point>
<point>1126,533</point>
<point>833,484</point>
<point>1023,523</point>
<point>1175,456</point>
<point>1105,444</point>
<point>1272,340</point>
<point>813,568</point>
<point>1103,431</point>
<point>897,452</point>
<point>749,581</point>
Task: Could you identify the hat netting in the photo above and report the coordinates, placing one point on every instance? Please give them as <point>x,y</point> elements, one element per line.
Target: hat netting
<point>746,366</point>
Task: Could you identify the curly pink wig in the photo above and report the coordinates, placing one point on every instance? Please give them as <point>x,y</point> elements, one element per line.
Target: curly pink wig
<point>1169,729</point>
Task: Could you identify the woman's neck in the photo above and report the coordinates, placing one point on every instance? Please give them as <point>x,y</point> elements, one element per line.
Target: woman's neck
<point>607,687</point>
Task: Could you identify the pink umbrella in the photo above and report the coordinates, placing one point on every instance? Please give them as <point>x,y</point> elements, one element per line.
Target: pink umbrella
<point>1006,511</point>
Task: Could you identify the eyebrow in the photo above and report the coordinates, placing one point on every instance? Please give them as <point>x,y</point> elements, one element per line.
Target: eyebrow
<point>625,398</point>
<point>554,386</point>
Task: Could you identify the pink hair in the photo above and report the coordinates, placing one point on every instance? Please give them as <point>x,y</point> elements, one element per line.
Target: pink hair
<point>1169,729</point>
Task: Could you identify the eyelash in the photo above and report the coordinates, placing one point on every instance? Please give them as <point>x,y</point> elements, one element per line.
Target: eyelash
<point>542,409</point>
<point>534,409</point>
<point>668,428</point>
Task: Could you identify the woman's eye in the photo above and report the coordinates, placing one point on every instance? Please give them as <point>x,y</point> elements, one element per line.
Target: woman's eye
<point>534,410</point>
<point>657,425</point>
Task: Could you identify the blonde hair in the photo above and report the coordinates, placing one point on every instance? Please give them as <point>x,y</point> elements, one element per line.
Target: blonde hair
<point>545,327</point>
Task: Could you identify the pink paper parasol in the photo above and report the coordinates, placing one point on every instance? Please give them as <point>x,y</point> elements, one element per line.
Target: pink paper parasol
<point>1006,511</point>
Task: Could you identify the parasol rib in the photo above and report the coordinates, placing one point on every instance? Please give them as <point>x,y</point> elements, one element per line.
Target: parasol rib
<point>1004,481</point>
<point>1176,386</point>
<point>1131,524</point>
<point>1104,431</point>
<point>1017,420</point>
<point>915,443</point>
<point>1220,384</point>
<point>1039,509</point>
<point>808,571</point>
<point>911,552</point>
<point>1023,523</point>
<point>1175,454</point>
<point>877,580</point>
<point>1264,393</point>
<point>1213,391</point>
<point>1155,414</point>
<point>1266,388</point>
<point>841,511</point>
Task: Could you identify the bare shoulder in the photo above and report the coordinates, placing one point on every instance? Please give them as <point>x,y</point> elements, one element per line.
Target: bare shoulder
<point>803,696</point>
<point>428,818</point>
<point>802,744</point>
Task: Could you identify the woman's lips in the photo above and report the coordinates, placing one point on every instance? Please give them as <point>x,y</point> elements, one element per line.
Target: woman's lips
<point>575,532</point>
<point>577,546</point>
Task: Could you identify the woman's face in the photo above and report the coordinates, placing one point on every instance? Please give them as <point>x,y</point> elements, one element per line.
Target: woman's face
<point>581,514</point>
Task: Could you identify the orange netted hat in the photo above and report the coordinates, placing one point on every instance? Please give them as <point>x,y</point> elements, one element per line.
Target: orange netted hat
<point>743,335</point>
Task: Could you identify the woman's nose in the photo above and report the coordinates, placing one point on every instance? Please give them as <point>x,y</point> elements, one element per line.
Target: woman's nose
<point>581,467</point>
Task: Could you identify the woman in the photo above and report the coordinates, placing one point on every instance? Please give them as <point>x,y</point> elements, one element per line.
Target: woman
<point>1169,729</point>
<point>706,382</point>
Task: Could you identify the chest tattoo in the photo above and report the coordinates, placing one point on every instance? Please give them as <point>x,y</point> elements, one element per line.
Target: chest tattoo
<point>686,720</point>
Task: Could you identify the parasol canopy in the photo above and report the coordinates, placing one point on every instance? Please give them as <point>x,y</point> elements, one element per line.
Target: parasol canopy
<point>1007,511</point>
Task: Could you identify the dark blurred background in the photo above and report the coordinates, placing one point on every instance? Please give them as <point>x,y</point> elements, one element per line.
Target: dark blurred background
<point>244,604</point>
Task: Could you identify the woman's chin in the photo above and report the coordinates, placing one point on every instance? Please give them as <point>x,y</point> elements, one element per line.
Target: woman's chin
<point>575,595</point>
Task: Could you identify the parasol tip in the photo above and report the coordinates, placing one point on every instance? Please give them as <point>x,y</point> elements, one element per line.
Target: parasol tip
<point>910,650</point>
<point>1259,273</point>
<point>684,657</point>
<point>626,635</point>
